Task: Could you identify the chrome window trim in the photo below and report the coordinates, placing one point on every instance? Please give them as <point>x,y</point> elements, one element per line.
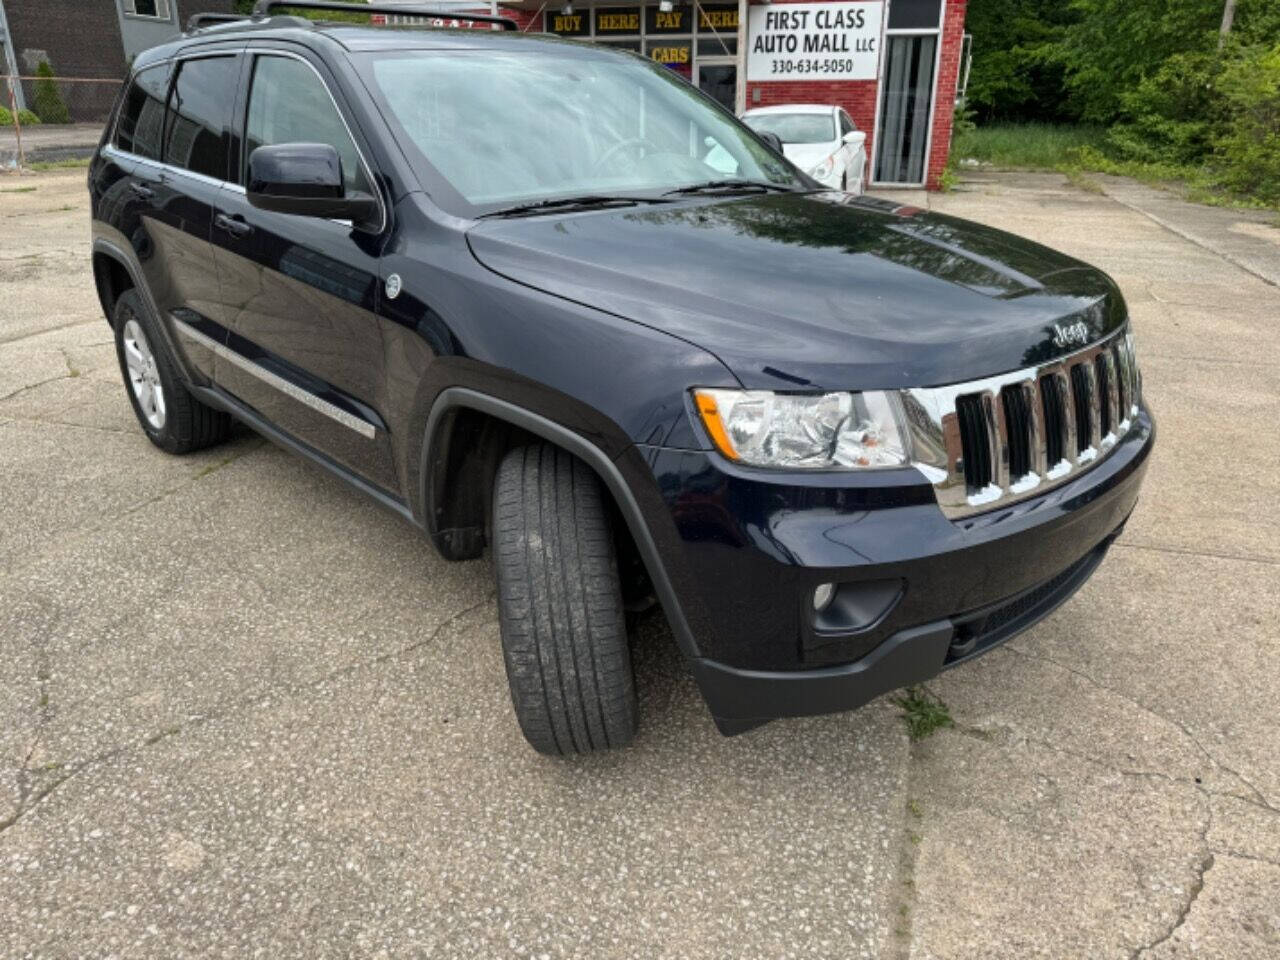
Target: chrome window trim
<point>114,151</point>
<point>933,425</point>
<point>254,51</point>
<point>257,51</point>
<point>305,397</point>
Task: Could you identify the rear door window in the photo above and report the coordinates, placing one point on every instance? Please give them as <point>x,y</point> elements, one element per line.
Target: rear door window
<point>140,130</point>
<point>199,109</point>
<point>288,103</point>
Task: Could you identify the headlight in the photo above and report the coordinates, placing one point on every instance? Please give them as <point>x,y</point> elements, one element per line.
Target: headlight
<point>813,432</point>
<point>824,168</point>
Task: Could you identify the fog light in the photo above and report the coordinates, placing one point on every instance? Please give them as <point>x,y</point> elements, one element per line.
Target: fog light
<point>823,595</point>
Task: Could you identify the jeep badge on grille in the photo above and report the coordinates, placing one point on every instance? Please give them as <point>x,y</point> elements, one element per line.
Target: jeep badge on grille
<point>1065,335</point>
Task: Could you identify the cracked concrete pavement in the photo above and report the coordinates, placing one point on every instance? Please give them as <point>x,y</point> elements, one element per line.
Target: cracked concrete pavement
<point>243,710</point>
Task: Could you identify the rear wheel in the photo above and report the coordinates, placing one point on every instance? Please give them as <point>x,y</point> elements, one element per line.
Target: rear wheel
<point>171,417</point>
<point>564,635</point>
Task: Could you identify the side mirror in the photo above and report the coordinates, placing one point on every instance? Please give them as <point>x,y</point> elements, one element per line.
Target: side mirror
<point>855,136</point>
<point>305,179</point>
<point>773,140</point>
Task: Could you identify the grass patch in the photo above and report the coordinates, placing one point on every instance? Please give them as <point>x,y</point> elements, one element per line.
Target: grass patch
<point>1028,146</point>
<point>75,163</point>
<point>19,190</point>
<point>923,712</point>
<point>1075,152</point>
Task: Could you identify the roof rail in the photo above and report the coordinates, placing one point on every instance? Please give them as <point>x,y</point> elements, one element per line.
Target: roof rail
<point>264,7</point>
<point>199,20</point>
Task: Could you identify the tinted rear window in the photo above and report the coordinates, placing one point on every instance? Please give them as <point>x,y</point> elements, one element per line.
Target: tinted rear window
<point>141,127</point>
<point>198,111</point>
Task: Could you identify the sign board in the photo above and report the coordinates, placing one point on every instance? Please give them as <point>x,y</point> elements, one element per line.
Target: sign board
<point>568,24</point>
<point>811,41</point>
<point>617,20</point>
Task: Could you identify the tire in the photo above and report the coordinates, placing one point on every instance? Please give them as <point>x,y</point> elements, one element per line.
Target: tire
<point>178,423</point>
<point>564,635</point>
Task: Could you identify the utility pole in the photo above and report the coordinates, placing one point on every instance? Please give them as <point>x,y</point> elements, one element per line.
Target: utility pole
<point>1228,18</point>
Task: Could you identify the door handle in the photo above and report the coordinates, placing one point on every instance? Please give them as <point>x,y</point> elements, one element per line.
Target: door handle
<point>142,190</point>
<point>232,225</point>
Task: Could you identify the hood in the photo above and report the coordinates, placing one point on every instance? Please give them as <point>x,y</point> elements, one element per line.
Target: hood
<point>814,291</point>
<point>808,155</point>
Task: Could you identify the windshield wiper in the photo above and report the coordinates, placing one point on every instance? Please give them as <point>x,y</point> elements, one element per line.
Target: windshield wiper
<point>589,201</point>
<point>730,186</point>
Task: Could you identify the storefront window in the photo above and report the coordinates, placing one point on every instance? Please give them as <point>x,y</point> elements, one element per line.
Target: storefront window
<point>698,43</point>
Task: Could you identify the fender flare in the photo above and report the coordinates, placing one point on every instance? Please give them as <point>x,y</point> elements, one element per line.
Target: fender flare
<point>606,469</point>
<point>126,260</point>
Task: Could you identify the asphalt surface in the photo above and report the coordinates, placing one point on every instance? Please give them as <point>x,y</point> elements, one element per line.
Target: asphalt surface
<point>245,712</point>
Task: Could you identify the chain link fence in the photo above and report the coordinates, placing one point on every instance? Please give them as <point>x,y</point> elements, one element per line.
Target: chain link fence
<point>52,117</point>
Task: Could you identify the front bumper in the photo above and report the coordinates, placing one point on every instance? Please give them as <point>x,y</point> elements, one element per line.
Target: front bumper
<point>754,546</point>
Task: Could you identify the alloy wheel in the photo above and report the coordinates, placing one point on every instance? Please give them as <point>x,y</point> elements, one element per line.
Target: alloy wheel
<point>144,377</point>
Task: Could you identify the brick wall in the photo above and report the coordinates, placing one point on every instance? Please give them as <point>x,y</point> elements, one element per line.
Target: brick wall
<point>80,38</point>
<point>948,77</point>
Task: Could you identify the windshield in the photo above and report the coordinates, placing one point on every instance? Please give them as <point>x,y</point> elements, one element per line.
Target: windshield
<point>503,127</point>
<point>795,127</point>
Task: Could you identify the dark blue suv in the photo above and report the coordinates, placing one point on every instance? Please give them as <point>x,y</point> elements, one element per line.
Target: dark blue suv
<point>547,298</point>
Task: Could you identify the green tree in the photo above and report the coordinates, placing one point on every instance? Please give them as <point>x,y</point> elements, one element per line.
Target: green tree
<point>49,105</point>
<point>246,7</point>
<point>1018,72</point>
<point>1250,150</point>
<point>1114,44</point>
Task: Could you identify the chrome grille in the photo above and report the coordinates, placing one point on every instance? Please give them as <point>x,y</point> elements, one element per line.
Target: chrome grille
<point>995,441</point>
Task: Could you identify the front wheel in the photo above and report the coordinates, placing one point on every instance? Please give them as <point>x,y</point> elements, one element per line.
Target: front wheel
<point>564,635</point>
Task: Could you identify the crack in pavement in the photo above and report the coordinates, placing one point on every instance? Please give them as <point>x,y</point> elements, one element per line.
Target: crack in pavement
<point>36,386</point>
<point>1258,798</point>
<point>1193,240</point>
<point>284,690</point>
<point>1183,551</point>
<point>1197,886</point>
<point>47,330</point>
<point>1207,796</point>
<point>48,421</point>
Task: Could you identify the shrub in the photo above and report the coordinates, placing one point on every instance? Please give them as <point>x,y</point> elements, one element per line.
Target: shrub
<point>1250,150</point>
<point>50,107</point>
<point>6,118</point>
<point>27,118</point>
<point>1174,115</point>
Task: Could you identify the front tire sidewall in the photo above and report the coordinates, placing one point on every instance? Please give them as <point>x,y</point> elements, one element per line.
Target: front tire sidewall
<point>564,637</point>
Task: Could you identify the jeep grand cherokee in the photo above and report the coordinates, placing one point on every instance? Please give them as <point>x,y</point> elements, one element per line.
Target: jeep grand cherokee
<point>491,280</point>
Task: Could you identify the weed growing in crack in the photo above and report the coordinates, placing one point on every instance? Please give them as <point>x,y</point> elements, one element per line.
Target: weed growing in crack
<point>923,712</point>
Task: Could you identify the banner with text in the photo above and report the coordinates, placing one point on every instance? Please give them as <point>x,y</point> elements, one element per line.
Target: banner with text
<point>808,41</point>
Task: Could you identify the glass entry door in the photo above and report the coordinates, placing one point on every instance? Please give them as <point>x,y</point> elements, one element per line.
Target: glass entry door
<point>719,80</point>
<point>903,134</point>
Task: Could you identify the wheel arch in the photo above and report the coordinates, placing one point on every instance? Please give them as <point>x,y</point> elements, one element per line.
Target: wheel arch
<point>112,276</point>
<point>456,479</point>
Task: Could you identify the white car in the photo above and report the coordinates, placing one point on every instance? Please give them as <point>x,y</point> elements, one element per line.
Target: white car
<point>821,140</point>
